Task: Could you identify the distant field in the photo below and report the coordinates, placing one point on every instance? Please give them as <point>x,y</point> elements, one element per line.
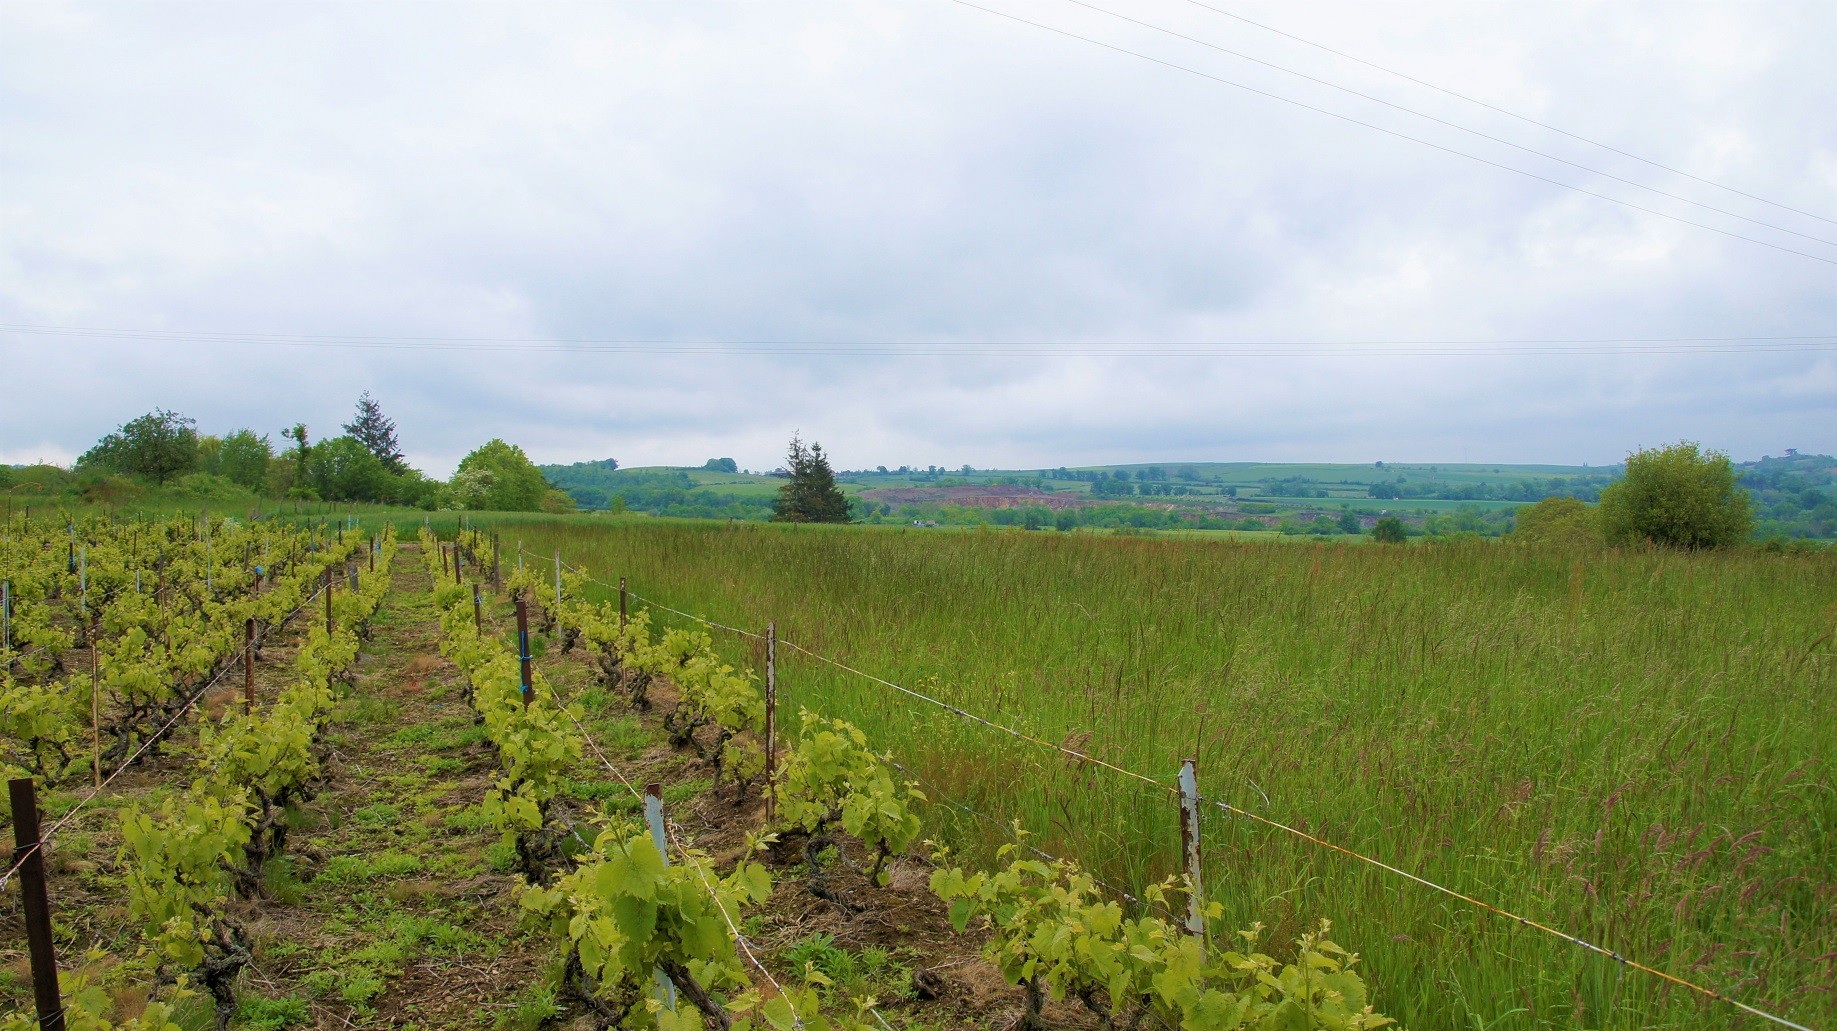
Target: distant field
<point>1634,747</point>
<point>1795,496</point>
<point>1252,472</point>
<point>1204,484</point>
<point>1211,473</point>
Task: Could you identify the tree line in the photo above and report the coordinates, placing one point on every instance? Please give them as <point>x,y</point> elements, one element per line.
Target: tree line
<point>164,449</point>
<point>1679,495</point>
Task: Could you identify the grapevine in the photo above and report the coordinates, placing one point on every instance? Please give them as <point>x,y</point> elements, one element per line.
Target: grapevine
<point>1056,937</point>
<point>537,742</point>
<point>832,780</point>
<point>624,913</point>
<point>720,711</point>
<point>165,611</point>
<point>184,863</point>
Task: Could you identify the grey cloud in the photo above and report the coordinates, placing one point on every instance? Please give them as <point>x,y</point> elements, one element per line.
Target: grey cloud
<point>908,172</point>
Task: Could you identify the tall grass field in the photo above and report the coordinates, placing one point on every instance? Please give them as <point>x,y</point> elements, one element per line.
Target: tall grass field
<point>1635,748</point>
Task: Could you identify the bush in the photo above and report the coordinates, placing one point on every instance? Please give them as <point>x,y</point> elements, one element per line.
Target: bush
<point>1389,530</point>
<point>41,479</point>
<point>158,446</point>
<point>1677,496</point>
<point>1558,521</point>
<point>207,487</point>
<point>111,490</point>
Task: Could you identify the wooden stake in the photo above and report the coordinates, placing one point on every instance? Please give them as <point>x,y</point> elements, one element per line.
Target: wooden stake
<point>529,687</point>
<point>95,713</point>
<point>771,718</point>
<point>248,664</point>
<point>622,619</point>
<point>30,864</point>
<point>478,611</point>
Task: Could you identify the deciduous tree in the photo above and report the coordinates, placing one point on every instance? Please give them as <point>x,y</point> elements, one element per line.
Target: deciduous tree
<point>158,445</point>
<point>244,457</point>
<point>1677,496</point>
<point>344,469</point>
<point>499,477</point>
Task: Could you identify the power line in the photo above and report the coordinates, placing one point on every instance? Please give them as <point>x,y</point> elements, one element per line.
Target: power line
<point>1508,113</point>
<point>1392,132</point>
<point>1452,125</point>
<point>893,347</point>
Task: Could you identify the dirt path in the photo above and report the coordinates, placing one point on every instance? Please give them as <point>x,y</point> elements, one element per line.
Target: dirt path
<point>393,906</point>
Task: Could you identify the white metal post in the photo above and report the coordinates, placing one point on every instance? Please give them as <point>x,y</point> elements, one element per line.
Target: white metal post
<point>653,816</point>
<point>1189,841</point>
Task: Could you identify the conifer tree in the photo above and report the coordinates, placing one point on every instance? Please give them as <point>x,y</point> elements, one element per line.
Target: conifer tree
<point>811,495</point>
<point>376,431</point>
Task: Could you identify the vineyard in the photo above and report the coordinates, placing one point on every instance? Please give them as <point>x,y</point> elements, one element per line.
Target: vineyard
<point>116,634</point>
<point>1533,787</point>
<point>190,829</point>
<point>288,780</point>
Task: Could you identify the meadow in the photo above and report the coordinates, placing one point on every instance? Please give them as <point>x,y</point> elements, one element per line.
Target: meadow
<point>1636,748</point>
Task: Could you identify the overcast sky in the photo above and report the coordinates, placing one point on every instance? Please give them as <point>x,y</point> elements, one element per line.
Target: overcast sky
<point>923,173</point>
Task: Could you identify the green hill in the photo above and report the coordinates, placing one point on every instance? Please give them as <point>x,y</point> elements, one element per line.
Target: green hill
<point>1794,494</point>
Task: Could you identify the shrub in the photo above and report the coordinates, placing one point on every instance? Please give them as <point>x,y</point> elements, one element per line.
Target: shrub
<point>1679,496</point>
<point>1560,521</point>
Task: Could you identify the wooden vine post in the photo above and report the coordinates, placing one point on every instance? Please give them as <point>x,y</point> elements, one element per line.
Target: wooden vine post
<point>771,719</point>
<point>622,619</point>
<point>248,664</point>
<point>529,688</point>
<point>30,866</point>
<point>478,611</point>
<point>95,713</point>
